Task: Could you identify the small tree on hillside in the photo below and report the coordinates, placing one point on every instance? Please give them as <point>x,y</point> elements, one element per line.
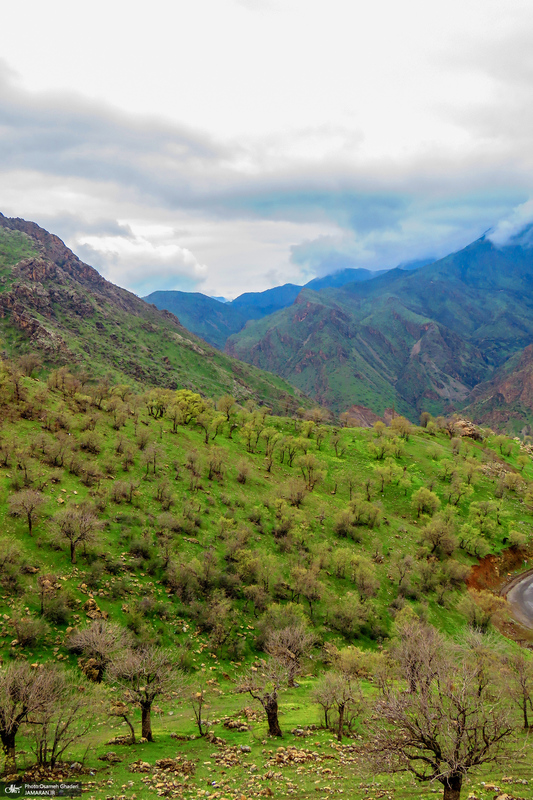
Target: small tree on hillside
<point>263,684</point>
<point>99,644</point>
<point>340,692</point>
<point>290,646</point>
<point>145,674</point>
<point>77,526</point>
<point>24,692</point>
<point>424,501</point>
<point>520,669</point>
<point>27,504</point>
<point>63,722</point>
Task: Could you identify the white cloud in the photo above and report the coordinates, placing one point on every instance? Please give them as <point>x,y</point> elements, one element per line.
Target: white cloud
<point>139,263</point>
<point>510,227</point>
<point>251,130</point>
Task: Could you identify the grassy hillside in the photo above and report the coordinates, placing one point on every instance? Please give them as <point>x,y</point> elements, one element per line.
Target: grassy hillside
<point>215,525</point>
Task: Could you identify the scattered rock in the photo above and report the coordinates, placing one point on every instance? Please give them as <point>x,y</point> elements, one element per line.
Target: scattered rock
<point>110,757</point>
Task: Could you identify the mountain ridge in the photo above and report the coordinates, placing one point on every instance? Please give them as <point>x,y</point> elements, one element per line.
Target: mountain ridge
<point>432,336</point>
<point>53,303</point>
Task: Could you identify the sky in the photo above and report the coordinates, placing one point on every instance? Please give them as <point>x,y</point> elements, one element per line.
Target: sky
<point>225,146</point>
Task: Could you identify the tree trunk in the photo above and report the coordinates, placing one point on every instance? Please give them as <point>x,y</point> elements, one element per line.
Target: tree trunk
<point>271,707</point>
<point>8,744</point>
<point>72,553</point>
<point>146,724</point>
<point>524,709</point>
<point>452,787</point>
<point>341,722</point>
<point>130,726</point>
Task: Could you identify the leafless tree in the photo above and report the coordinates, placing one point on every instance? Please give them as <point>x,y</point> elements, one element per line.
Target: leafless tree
<point>520,669</point>
<point>417,648</point>
<point>264,683</point>
<point>24,692</point>
<point>290,646</point>
<point>198,697</point>
<point>27,504</point>
<point>99,643</point>
<point>446,727</point>
<point>145,674</point>
<point>60,724</point>
<point>77,526</point>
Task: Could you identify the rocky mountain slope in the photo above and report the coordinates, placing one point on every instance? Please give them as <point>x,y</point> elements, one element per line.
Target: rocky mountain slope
<point>54,304</point>
<point>216,321</point>
<point>421,340</point>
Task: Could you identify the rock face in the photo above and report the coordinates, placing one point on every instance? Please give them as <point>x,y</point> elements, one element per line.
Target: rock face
<point>507,400</point>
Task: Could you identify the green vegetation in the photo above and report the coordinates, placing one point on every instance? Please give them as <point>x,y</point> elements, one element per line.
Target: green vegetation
<point>207,589</point>
<point>14,246</point>
<point>227,538</point>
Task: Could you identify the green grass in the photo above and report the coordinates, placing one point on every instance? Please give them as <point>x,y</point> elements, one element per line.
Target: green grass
<point>221,511</point>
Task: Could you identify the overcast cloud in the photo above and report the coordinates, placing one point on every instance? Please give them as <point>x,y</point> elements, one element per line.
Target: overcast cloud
<point>231,145</point>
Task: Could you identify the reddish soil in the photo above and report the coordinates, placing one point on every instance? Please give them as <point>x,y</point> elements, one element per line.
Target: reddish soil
<point>492,574</point>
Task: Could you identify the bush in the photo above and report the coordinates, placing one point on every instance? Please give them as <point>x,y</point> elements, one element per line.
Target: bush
<point>29,632</point>
<point>57,611</point>
<point>141,548</point>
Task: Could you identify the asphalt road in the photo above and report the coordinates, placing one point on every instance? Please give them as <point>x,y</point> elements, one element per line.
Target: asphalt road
<point>520,598</point>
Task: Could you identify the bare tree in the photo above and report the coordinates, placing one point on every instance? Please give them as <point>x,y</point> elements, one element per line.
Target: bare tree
<point>24,692</point>
<point>27,504</point>
<point>99,643</point>
<point>145,674</point>
<point>417,648</point>
<point>77,526</point>
<point>198,699</point>
<point>339,691</point>
<point>290,646</point>
<point>445,728</point>
<point>521,684</point>
<point>63,722</point>
<point>263,684</point>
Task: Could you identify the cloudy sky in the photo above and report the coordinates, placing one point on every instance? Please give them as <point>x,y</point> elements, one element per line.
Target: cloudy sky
<point>225,146</point>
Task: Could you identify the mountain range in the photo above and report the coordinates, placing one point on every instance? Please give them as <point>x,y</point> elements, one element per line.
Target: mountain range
<point>443,337</point>
<point>53,304</point>
<point>454,334</point>
<point>448,335</point>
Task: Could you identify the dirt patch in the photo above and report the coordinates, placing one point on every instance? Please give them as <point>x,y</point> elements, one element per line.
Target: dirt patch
<point>493,572</point>
<point>497,574</point>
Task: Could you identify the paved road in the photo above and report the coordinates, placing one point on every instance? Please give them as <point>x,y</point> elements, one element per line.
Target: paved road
<point>520,598</point>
